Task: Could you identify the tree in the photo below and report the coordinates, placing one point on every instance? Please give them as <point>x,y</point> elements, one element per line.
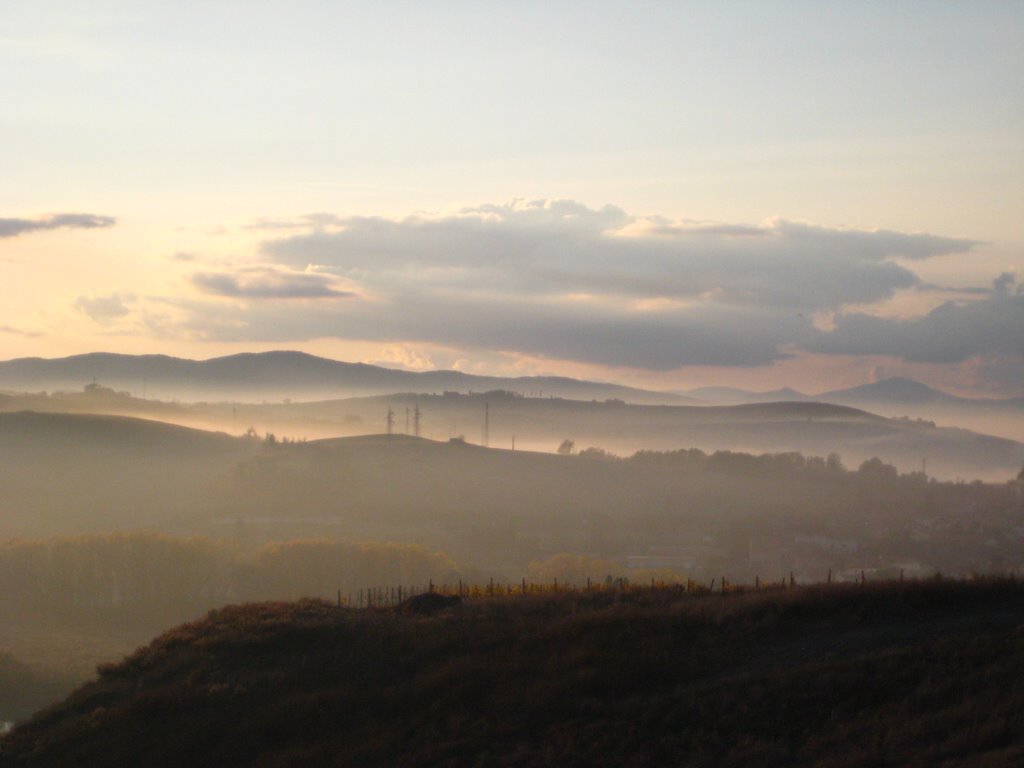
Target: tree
<point>834,463</point>
<point>875,467</point>
<point>567,448</point>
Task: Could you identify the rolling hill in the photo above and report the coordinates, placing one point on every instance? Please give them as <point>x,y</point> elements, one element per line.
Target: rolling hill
<point>541,424</point>
<point>67,473</point>
<point>895,397</point>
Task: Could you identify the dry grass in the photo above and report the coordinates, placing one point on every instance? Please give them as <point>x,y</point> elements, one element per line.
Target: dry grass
<point>912,674</point>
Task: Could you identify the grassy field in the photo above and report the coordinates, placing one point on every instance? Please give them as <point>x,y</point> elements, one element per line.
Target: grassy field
<point>884,674</point>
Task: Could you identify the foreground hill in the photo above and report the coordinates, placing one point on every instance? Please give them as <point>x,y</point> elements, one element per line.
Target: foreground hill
<point>252,377</point>
<point>916,674</point>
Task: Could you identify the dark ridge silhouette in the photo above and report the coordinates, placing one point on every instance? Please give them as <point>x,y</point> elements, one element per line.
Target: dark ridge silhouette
<point>891,674</point>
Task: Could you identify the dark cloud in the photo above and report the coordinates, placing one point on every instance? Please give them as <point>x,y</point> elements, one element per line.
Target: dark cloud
<point>1004,284</point>
<point>560,280</point>
<point>873,245</point>
<point>563,247</point>
<point>591,332</point>
<point>951,333</point>
<point>15,227</point>
<point>260,283</point>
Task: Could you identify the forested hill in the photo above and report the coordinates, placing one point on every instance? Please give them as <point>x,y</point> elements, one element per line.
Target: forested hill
<point>913,674</point>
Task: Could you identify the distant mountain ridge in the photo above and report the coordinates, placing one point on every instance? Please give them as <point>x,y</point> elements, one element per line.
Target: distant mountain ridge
<point>892,390</point>
<point>903,390</point>
<point>286,374</point>
<point>895,397</point>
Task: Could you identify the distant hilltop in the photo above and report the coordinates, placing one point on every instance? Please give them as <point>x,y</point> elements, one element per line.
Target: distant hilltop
<point>891,391</point>
<point>252,377</point>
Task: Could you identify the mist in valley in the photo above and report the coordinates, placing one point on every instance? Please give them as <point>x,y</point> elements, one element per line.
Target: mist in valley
<point>115,527</point>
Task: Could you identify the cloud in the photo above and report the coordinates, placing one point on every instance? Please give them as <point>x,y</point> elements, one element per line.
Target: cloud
<point>953,332</point>
<point>105,309</point>
<point>15,227</point>
<point>560,280</point>
<point>10,329</point>
<point>585,331</point>
<point>563,247</point>
<point>268,283</point>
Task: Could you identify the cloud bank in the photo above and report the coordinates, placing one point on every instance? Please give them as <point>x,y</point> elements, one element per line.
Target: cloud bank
<point>266,283</point>
<point>557,279</point>
<point>15,227</point>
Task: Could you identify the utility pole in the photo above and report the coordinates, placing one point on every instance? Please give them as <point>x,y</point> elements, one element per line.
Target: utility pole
<point>416,420</point>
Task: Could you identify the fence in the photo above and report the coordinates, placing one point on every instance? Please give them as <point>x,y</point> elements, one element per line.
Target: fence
<point>388,596</point>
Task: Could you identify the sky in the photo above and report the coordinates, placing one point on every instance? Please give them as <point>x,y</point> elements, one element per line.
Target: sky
<point>666,195</point>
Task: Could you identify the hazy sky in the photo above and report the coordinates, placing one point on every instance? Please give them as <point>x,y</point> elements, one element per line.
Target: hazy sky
<point>661,194</point>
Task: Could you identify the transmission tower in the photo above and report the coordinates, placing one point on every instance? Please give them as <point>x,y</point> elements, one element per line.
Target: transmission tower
<point>391,420</point>
<point>407,419</point>
<point>416,420</point>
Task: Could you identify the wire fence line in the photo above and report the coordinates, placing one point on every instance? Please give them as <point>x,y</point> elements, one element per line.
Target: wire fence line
<point>391,596</point>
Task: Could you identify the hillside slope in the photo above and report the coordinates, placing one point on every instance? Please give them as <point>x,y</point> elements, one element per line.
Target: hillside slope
<point>894,674</point>
<point>64,473</point>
